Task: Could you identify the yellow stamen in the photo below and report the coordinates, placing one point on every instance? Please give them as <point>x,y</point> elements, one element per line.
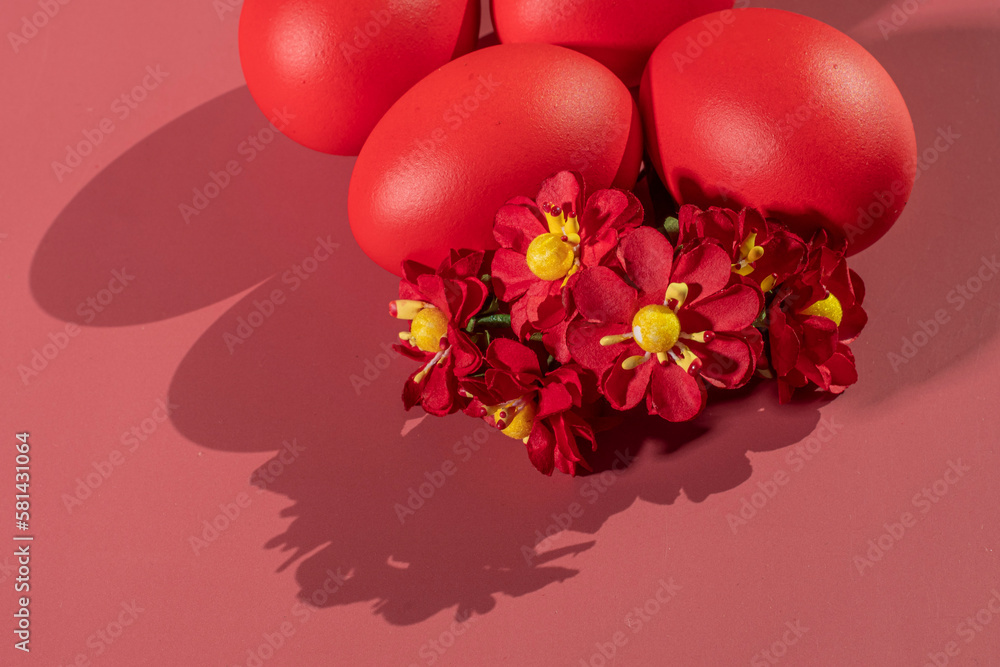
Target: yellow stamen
<point>407,309</point>
<point>614,340</point>
<point>676,292</point>
<point>699,337</point>
<point>767,284</point>
<point>633,362</point>
<point>687,358</point>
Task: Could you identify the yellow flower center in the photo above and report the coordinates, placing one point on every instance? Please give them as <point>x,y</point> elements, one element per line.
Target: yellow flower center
<point>656,328</point>
<point>427,329</point>
<point>829,308</point>
<point>550,257</point>
<point>519,426</point>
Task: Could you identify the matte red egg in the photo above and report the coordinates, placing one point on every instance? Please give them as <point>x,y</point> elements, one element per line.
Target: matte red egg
<point>334,67</point>
<point>621,35</point>
<point>784,113</point>
<point>482,129</point>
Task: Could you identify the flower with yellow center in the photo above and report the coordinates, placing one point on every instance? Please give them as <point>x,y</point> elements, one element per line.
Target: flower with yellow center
<point>428,330</point>
<point>556,255</point>
<point>657,330</point>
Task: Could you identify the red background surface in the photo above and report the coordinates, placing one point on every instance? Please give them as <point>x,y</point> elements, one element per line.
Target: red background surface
<point>331,507</point>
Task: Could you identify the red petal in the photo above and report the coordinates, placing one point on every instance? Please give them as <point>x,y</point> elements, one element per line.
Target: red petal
<point>785,344</point>
<point>511,275</point>
<point>676,395</point>
<point>601,296</point>
<point>511,356</point>
<point>706,269</point>
<point>843,371</point>
<point>625,389</point>
<point>516,226</point>
<point>439,395</point>
<point>541,448</point>
<point>727,361</point>
<point>461,264</point>
<point>819,338</point>
<point>567,455</point>
<point>553,399</point>
<point>545,304</point>
<point>472,301</point>
<point>733,309</point>
<point>722,226</point>
<point>609,209</point>
<point>647,257</point>
<point>851,325</point>
<point>584,342</point>
<point>564,190</point>
<point>464,354</point>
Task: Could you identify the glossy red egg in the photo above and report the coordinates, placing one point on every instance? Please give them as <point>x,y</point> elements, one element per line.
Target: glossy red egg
<point>480,130</point>
<point>765,108</point>
<point>621,34</point>
<point>334,67</point>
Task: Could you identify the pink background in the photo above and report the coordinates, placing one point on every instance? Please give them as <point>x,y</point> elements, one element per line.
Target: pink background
<point>398,588</point>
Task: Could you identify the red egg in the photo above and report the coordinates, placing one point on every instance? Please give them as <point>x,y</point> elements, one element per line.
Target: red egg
<point>621,34</point>
<point>480,130</point>
<point>765,108</point>
<point>334,67</point>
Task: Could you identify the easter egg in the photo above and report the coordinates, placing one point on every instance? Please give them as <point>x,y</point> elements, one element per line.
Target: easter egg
<point>332,68</point>
<point>770,109</point>
<point>621,35</point>
<point>484,128</point>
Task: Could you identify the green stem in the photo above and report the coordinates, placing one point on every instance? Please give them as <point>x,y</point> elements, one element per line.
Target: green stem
<point>494,320</point>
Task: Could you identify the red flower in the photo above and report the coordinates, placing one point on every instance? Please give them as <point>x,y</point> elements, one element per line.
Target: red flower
<point>765,252</point>
<point>813,317</point>
<point>545,241</point>
<point>689,323</point>
<point>439,304</point>
<point>539,409</point>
